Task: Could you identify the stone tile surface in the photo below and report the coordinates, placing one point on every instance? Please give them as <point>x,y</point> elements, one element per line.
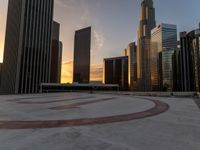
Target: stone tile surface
<point>176,128</point>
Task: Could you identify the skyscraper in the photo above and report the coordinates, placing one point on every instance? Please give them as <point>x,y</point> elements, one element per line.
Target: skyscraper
<point>190,60</point>
<point>27,46</point>
<point>176,70</point>
<point>131,52</point>
<point>186,63</point>
<point>162,36</point>
<point>56,54</point>
<point>166,70</point>
<point>116,71</point>
<point>1,64</point>
<point>82,44</point>
<point>146,24</point>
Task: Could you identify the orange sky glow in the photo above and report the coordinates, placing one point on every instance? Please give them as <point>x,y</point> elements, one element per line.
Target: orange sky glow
<point>67,72</point>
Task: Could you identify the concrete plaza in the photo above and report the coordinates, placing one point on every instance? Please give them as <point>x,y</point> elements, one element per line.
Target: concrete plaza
<point>98,121</point>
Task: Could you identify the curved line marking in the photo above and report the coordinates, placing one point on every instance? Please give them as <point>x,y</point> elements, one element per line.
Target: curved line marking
<point>55,101</point>
<point>160,107</point>
<point>76,105</point>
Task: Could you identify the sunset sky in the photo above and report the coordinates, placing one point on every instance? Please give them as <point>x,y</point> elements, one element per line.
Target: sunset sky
<point>114,25</point>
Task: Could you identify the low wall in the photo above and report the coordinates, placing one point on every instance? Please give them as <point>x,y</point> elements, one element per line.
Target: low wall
<point>166,94</point>
<point>159,94</point>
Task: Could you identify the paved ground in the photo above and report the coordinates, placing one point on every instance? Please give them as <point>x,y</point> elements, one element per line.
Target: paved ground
<point>82,121</point>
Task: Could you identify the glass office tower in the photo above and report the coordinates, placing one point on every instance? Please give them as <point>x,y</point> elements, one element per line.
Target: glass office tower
<point>1,64</point>
<point>116,71</point>
<point>166,70</point>
<point>190,60</point>
<point>27,51</point>
<point>82,44</point>
<point>131,52</point>
<point>56,54</point>
<point>162,36</point>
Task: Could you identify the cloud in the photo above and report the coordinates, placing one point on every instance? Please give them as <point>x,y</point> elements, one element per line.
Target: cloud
<point>67,72</point>
<point>81,16</point>
<point>98,39</point>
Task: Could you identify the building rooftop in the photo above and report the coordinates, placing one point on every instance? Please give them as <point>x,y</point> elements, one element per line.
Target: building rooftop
<point>99,121</point>
<point>84,29</point>
<point>113,58</point>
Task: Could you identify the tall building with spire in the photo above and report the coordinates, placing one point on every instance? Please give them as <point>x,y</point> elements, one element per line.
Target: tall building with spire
<point>146,23</point>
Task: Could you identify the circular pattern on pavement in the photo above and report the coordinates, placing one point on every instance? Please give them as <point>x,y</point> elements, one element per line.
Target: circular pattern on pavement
<point>159,107</point>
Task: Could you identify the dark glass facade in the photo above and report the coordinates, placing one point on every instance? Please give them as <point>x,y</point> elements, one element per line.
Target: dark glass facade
<point>56,54</point>
<point>116,72</point>
<point>162,36</point>
<point>166,69</point>
<point>186,65</point>
<point>1,65</point>
<point>82,44</point>
<point>190,60</point>
<point>27,46</point>
<point>176,70</point>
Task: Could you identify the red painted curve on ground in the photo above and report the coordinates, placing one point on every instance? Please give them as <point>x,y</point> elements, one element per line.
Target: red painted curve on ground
<point>160,107</point>
<point>76,105</point>
<point>35,97</point>
<point>55,101</point>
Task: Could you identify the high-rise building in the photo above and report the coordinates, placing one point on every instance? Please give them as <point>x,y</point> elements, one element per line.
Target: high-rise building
<point>186,63</point>
<point>176,70</point>
<point>131,52</point>
<point>116,71</point>
<point>1,64</point>
<point>60,61</point>
<point>162,36</point>
<point>146,24</point>
<point>56,54</point>
<point>27,54</point>
<point>82,46</point>
<point>190,60</point>
<point>166,70</point>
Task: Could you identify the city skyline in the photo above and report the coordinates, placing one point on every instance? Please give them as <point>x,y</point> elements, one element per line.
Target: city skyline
<point>106,40</point>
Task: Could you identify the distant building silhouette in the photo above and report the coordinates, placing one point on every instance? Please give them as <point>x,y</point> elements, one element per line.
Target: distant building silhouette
<point>131,52</point>
<point>56,54</point>
<point>176,70</point>
<point>26,61</point>
<point>116,71</point>
<point>1,65</point>
<point>82,44</point>
<point>163,36</point>
<point>186,63</point>
<point>190,60</point>
<point>146,24</point>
